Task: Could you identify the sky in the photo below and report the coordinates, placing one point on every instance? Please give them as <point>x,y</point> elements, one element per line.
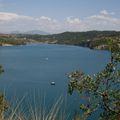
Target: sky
<point>56,16</point>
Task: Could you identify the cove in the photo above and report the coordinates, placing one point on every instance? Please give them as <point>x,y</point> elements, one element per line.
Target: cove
<point>30,70</point>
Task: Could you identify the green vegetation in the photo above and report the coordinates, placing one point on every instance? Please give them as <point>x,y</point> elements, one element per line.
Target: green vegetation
<point>91,39</point>
<point>6,39</point>
<point>102,90</point>
<point>3,105</point>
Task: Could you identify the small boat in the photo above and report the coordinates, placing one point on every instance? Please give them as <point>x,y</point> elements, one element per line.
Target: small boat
<point>46,58</point>
<point>52,83</point>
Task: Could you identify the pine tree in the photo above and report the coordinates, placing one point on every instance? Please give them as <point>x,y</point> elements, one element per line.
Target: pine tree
<point>102,90</point>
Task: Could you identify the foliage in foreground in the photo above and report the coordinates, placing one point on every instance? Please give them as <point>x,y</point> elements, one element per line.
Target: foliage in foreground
<point>102,90</point>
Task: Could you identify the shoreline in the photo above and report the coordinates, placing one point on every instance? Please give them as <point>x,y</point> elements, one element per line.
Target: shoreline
<point>6,45</point>
<point>11,45</point>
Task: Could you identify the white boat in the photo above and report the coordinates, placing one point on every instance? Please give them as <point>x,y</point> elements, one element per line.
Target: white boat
<point>46,58</point>
<point>52,83</point>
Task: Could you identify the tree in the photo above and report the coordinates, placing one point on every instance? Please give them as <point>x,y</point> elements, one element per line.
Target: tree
<point>102,90</point>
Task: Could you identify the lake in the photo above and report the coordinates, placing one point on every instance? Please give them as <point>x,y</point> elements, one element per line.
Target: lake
<point>30,69</point>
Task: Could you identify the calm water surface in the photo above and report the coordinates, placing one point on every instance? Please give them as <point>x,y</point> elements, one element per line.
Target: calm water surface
<point>30,69</point>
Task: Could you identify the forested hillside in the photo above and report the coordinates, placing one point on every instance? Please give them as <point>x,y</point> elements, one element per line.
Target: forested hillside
<point>91,39</point>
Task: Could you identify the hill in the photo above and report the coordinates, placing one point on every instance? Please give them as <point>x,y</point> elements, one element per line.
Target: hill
<point>32,32</point>
<point>11,39</point>
<point>91,39</point>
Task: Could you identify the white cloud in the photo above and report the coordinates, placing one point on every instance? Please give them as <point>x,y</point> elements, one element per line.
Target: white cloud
<point>12,21</point>
<point>73,24</point>
<point>8,17</point>
<point>105,13</point>
<point>104,16</point>
<point>102,21</point>
<point>45,18</point>
<point>72,20</point>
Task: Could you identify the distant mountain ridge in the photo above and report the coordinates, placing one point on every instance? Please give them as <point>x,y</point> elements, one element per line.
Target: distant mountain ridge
<point>31,32</point>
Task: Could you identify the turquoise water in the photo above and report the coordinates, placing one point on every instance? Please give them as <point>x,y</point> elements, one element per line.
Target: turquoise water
<point>33,67</point>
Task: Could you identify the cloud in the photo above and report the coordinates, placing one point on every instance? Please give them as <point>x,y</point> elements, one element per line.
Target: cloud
<point>45,18</point>
<point>13,21</point>
<point>72,20</point>
<point>104,20</point>
<point>105,13</point>
<point>73,24</point>
<point>8,17</point>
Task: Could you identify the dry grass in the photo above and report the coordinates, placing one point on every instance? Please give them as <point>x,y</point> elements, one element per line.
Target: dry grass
<point>36,112</point>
